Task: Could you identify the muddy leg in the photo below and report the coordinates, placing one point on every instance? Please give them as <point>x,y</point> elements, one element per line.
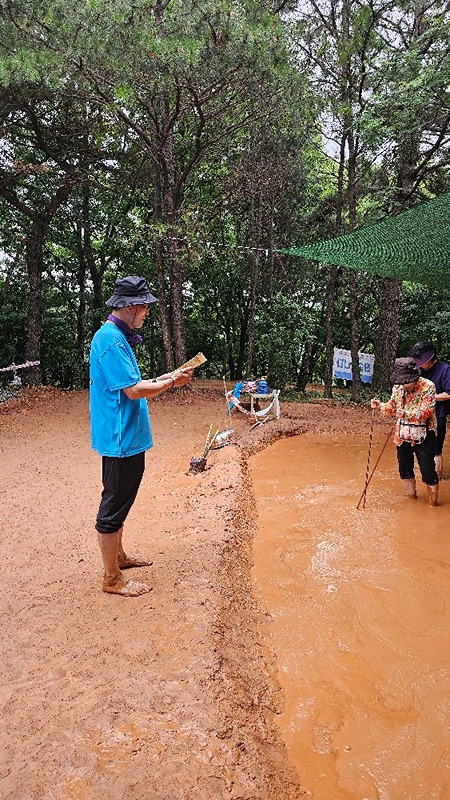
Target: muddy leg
<point>129,562</point>
<point>439,463</point>
<point>113,580</point>
<point>433,492</point>
<point>410,486</point>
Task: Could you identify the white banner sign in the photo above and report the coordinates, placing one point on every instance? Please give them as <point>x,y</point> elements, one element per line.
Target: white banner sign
<point>342,365</point>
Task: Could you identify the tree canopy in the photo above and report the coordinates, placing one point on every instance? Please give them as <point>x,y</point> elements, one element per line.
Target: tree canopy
<point>196,143</point>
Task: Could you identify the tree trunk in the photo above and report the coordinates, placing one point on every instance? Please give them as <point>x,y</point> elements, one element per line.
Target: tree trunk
<point>243,327</point>
<point>34,256</point>
<point>176,293</point>
<point>354,335</point>
<point>332,285</point>
<point>176,270</point>
<point>81,372</point>
<point>83,234</point>
<point>304,373</point>
<point>34,259</point>
<point>163,310</point>
<point>353,278</point>
<point>251,317</point>
<point>256,223</point>
<point>386,345</point>
<point>391,290</point>
<point>169,267</point>
<point>228,360</point>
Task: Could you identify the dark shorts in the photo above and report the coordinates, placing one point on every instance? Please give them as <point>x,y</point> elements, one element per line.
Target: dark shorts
<point>424,453</point>
<point>121,479</point>
<point>440,434</point>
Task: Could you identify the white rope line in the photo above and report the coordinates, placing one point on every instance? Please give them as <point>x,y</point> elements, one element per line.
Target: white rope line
<point>14,367</point>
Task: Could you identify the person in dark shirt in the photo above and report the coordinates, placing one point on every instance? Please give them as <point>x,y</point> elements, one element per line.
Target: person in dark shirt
<point>431,367</point>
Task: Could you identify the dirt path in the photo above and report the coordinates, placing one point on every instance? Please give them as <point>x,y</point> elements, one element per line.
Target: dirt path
<point>165,696</point>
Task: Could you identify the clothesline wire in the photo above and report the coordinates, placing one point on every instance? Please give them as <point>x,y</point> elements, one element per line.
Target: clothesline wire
<point>265,250</point>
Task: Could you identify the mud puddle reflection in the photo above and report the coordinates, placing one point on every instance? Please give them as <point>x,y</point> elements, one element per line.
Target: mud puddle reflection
<point>359,605</point>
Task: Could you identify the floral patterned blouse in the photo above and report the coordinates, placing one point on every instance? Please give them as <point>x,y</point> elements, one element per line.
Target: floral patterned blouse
<point>416,405</point>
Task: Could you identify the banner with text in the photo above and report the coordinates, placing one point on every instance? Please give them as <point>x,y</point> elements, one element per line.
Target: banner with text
<point>342,365</point>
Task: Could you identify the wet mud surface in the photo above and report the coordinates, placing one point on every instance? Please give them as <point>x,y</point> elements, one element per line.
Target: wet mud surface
<point>359,619</point>
<point>175,694</point>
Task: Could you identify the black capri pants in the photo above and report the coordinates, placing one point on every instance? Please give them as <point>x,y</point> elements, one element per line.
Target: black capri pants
<point>121,479</point>
<point>440,435</point>
<point>425,458</point>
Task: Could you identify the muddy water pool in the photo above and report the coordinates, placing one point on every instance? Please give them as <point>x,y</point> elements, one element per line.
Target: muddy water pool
<point>358,619</point>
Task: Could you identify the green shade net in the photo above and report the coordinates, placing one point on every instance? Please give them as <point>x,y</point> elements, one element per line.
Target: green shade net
<point>413,246</point>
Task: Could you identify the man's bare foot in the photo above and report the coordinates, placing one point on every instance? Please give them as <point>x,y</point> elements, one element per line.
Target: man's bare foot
<point>128,562</point>
<point>124,587</point>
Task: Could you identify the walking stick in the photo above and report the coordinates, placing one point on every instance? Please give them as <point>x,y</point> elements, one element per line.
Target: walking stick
<point>368,479</point>
<point>226,399</point>
<point>368,460</point>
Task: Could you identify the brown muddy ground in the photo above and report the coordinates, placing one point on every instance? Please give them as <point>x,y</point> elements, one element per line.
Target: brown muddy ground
<point>170,695</point>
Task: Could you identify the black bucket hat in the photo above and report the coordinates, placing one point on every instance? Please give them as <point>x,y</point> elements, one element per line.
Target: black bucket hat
<point>130,291</point>
<point>405,371</point>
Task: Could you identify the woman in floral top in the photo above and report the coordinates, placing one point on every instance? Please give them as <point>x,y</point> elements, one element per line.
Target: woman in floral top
<point>413,403</point>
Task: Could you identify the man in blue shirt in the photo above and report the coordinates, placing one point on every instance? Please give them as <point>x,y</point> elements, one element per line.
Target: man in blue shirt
<point>425,356</point>
<point>120,423</point>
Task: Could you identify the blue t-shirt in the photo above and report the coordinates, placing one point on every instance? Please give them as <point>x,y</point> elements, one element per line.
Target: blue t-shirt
<point>119,426</point>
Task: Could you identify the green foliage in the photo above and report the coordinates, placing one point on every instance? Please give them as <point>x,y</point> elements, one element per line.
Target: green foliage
<point>425,316</point>
<point>13,318</point>
<point>206,126</point>
<point>282,327</point>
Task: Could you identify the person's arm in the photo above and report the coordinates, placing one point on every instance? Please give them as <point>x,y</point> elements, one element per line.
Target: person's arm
<point>388,409</point>
<point>149,389</point>
<point>442,396</point>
